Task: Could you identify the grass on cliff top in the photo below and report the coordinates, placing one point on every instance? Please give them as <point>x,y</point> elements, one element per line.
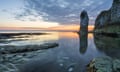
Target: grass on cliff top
<point>109,29</point>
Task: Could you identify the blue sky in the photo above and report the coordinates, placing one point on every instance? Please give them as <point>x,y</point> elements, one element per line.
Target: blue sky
<point>42,13</point>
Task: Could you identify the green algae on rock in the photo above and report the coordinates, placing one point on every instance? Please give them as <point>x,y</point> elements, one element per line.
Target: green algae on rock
<point>104,64</point>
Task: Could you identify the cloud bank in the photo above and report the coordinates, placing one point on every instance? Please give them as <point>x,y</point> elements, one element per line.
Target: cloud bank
<point>62,11</point>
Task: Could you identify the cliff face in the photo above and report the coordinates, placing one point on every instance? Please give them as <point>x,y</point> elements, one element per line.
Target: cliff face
<point>115,11</point>
<point>111,16</point>
<point>102,19</point>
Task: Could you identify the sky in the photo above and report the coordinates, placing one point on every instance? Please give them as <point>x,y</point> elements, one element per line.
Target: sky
<point>48,13</point>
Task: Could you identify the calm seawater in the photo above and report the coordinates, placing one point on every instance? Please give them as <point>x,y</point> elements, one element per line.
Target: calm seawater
<point>72,55</point>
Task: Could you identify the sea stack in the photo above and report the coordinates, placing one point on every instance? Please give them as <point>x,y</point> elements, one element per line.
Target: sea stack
<point>84,20</point>
<point>83,31</point>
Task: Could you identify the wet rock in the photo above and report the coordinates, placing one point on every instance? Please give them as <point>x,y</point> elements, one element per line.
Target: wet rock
<point>21,49</point>
<point>12,62</point>
<point>104,64</point>
<point>116,65</point>
<point>17,35</point>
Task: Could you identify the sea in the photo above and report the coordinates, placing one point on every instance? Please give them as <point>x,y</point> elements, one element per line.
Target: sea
<point>73,53</point>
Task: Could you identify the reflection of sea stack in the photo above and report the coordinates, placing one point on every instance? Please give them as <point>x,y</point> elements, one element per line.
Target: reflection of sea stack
<point>83,42</point>
<point>84,21</point>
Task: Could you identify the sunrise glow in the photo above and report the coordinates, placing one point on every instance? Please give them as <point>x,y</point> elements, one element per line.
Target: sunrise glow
<point>54,28</point>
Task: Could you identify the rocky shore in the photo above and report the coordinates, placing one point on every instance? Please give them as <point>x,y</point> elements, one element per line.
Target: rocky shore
<point>12,57</point>
<point>10,49</point>
<point>104,64</point>
<point>107,36</point>
<point>14,35</point>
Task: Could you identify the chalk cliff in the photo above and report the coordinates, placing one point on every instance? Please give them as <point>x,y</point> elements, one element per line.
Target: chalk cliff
<point>109,17</point>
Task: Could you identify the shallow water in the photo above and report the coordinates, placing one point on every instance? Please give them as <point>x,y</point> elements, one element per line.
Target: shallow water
<point>72,55</point>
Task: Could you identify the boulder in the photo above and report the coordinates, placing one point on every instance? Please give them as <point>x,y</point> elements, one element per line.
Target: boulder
<point>99,64</point>
<point>104,64</point>
<point>116,65</point>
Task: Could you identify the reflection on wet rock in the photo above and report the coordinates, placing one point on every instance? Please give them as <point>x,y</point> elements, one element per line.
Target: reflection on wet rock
<point>109,45</point>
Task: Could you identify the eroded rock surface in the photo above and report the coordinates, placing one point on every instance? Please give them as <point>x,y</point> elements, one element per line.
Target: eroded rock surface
<point>109,17</point>
<point>10,49</point>
<point>84,19</point>
<point>104,64</point>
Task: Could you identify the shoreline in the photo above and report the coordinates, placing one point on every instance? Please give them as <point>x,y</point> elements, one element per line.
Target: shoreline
<point>10,49</point>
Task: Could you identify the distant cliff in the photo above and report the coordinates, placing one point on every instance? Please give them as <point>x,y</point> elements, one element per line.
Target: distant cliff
<point>109,17</point>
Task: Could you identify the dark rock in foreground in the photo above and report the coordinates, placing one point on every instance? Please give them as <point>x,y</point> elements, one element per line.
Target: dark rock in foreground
<point>108,18</point>
<point>104,64</point>
<point>20,49</point>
